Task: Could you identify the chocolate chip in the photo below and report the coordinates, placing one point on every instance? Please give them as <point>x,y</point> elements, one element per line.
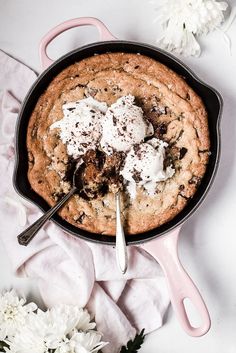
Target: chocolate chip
<point>103,189</point>
<point>137,176</point>
<point>114,120</point>
<point>84,195</point>
<point>195,180</point>
<point>153,109</point>
<point>181,187</point>
<point>58,195</point>
<point>81,217</point>
<point>196,131</point>
<point>168,161</point>
<point>100,159</point>
<point>179,136</point>
<point>136,67</point>
<point>136,147</point>
<point>116,88</point>
<point>184,197</point>
<point>182,152</point>
<point>79,84</point>
<point>204,151</point>
<point>110,173</point>
<point>72,163</point>
<point>40,181</point>
<point>108,217</point>
<point>160,130</point>
<point>188,96</point>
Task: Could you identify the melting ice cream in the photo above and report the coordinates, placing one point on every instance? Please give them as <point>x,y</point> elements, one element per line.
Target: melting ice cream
<point>124,125</point>
<point>144,166</point>
<point>80,128</point>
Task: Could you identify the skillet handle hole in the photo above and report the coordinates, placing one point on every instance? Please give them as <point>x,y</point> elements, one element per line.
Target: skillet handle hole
<point>70,40</point>
<point>192,313</point>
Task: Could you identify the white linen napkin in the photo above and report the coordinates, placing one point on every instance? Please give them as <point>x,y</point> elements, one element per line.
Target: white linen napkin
<point>68,269</point>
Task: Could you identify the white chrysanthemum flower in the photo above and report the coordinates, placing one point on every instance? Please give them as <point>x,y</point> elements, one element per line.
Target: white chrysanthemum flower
<point>63,329</point>
<point>14,314</point>
<point>30,338</point>
<point>182,20</point>
<point>84,323</point>
<point>89,342</point>
<point>74,316</point>
<point>62,321</point>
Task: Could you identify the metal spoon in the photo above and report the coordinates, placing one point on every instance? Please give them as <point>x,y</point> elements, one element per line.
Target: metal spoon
<point>27,235</point>
<point>121,249</point>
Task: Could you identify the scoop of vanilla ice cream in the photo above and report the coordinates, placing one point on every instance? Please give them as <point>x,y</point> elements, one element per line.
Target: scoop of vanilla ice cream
<point>144,166</point>
<point>123,126</point>
<point>80,128</point>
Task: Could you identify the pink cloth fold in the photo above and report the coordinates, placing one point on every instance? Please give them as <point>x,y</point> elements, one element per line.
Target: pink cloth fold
<point>68,269</point>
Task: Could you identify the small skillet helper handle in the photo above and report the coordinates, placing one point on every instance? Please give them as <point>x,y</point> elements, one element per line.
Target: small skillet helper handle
<point>164,250</point>
<point>104,34</point>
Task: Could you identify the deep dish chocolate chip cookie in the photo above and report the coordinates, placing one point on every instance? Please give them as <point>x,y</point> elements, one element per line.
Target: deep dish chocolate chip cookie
<point>113,94</point>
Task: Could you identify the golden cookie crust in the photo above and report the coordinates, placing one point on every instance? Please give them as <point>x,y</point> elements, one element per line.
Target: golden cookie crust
<point>179,118</point>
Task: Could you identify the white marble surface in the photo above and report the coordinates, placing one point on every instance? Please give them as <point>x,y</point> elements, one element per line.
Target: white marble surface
<point>208,241</point>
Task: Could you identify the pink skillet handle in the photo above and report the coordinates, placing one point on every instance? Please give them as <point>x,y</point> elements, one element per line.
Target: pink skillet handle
<point>164,250</point>
<point>104,33</point>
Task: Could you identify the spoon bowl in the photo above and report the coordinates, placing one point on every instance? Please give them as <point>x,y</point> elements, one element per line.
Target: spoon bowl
<point>27,235</point>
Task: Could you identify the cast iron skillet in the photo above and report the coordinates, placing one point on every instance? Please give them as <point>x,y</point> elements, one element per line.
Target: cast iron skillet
<point>164,249</point>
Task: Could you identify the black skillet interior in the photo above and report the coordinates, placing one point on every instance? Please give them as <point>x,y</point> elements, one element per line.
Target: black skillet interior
<point>210,97</point>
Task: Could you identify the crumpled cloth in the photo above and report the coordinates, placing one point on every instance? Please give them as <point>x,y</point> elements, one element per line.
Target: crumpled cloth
<point>67,269</point>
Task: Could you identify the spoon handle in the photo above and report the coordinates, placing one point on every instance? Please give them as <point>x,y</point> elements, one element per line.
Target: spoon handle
<point>121,249</point>
<point>27,235</point>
